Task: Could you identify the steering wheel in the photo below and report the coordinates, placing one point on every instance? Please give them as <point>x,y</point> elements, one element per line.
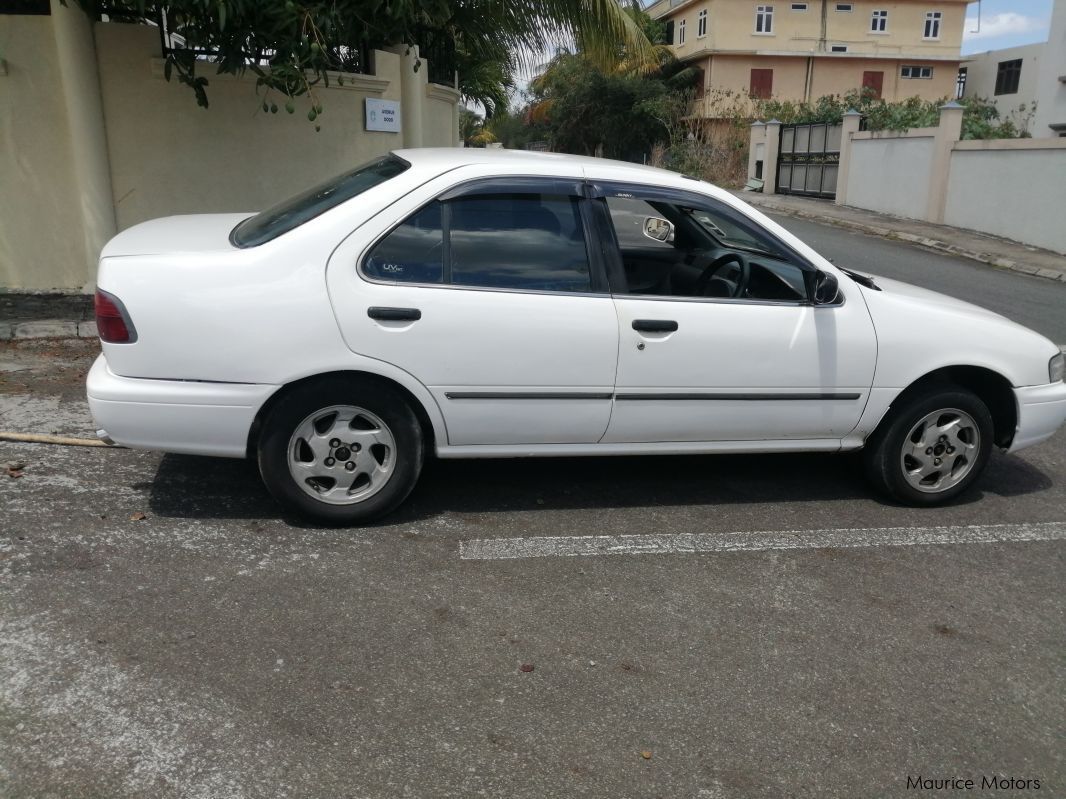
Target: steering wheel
<point>725,276</point>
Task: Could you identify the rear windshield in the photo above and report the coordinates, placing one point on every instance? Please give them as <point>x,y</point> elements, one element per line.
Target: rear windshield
<point>293,212</point>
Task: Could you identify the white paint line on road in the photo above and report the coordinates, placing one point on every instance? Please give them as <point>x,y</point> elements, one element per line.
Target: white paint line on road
<point>689,543</point>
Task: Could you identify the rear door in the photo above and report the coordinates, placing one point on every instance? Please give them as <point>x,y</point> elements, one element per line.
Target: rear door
<point>489,294</point>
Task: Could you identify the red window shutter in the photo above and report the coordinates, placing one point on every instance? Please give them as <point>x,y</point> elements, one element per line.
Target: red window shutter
<point>762,83</point>
<point>874,81</point>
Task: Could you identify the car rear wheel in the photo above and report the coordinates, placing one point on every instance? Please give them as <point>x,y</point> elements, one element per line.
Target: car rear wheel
<point>341,452</point>
<point>931,447</point>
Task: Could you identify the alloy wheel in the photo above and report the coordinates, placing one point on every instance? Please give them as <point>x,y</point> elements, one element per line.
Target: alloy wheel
<point>940,450</point>
<point>342,454</point>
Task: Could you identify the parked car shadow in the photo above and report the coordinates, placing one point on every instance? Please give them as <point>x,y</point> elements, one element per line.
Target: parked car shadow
<point>197,487</point>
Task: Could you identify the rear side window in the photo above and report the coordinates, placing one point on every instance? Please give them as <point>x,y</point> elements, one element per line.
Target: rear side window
<point>290,214</point>
<point>532,242</point>
<point>413,252</point>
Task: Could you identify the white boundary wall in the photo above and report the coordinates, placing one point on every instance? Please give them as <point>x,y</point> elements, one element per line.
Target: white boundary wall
<point>93,139</point>
<point>1013,188</point>
<point>902,166</point>
<point>1016,191</point>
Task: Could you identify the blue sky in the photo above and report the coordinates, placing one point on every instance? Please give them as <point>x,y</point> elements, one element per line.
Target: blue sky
<point>1006,23</point>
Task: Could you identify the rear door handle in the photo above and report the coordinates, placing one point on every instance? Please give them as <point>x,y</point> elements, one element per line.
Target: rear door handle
<point>394,314</point>
<point>655,325</point>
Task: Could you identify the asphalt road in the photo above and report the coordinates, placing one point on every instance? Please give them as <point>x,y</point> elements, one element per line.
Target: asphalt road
<point>217,649</point>
<point>1033,301</point>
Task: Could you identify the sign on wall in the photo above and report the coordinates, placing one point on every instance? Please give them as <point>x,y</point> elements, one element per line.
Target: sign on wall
<point>383,115</point>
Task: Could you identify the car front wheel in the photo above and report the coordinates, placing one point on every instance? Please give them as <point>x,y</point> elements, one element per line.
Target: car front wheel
<point>931,448</point>
<point>341,452</point>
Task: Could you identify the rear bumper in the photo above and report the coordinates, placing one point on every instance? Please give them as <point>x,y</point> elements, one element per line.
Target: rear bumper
<point>1041,411</point>
<point>189,417</point>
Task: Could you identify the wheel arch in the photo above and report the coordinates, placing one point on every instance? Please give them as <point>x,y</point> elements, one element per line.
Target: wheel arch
<point>430,431</point>
<point>990,386</point>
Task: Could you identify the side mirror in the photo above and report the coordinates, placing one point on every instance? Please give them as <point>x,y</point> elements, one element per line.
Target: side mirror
<point>826,288</point>
<point>658,229</point>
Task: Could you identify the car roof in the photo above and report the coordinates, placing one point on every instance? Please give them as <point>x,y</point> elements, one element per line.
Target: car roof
<point>445,158</point>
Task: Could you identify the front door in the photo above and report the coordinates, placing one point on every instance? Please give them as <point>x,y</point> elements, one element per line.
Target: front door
<point>488,295</point>
<point>719,342</point>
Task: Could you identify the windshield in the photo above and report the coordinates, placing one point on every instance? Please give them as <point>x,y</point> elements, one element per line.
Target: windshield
<point>731,233</point>
<point>293,212</point>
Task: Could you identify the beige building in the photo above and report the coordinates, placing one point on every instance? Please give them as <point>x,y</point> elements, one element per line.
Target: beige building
<point>93,139</point>
<point>804,50</point>
<point>1007,77</point>
<point>1031,75</point>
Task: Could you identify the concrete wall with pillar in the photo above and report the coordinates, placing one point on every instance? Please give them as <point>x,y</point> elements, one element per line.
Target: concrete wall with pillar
<point>93,139</point>
<point>849,127</point>
<point>948,132</point>
<point>757,151</point>
<point>929,174</point>
<point>55,191</point>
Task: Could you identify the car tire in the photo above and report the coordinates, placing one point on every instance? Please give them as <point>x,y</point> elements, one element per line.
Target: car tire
<point>931,447</point>
<point>341,451</point>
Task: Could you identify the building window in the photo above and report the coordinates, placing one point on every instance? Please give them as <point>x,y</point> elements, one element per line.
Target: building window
<point>916,72</point>
<point>932,24</point>
<point>838,48</point>
<point>799,6</point>
<point>1008,76</point>
<point>960,84</point>
<point>762,84</point>
<point>701,24</point>
<point>764,19</point>
<point>879,22</point>
<point>845,7</point>
<point>681,32</point>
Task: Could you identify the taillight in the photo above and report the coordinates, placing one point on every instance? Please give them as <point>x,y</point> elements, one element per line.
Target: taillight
<point>112,322</point>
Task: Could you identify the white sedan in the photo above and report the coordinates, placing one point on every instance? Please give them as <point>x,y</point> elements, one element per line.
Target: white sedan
<point>487,303</point>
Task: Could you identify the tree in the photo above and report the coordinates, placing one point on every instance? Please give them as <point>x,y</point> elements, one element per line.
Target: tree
<point>472,129</point>
<point>293,45</point>
<point>618,108</point>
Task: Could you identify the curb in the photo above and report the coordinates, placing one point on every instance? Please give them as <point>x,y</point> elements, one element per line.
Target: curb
<point>47,328</point>
<point>994,261</point>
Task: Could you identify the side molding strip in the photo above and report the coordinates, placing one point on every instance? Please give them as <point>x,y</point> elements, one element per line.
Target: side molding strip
<point>577,395</point>
<point>740,397</point>
<point>528,395</point>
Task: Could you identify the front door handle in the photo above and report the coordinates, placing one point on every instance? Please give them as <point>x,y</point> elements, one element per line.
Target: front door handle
<point>394,314</point>
<point>655,325</point>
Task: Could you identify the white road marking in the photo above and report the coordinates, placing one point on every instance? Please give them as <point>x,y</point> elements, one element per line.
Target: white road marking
<point>689,543</point>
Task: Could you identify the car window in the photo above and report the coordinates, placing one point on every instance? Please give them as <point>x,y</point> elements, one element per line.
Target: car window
<point>711,251</point>
<point>508,241</point>
<point>293,212</point>
<point>412,252</point>
<point>518,241</point>
<point>628,215</point>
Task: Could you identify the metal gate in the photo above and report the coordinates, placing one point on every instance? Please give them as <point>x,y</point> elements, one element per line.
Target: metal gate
<point>809,160</point>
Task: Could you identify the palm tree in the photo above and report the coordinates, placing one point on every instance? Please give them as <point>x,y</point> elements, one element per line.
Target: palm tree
<point>294,45</point>
<point>487,41</point>
<point>655,62</point>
